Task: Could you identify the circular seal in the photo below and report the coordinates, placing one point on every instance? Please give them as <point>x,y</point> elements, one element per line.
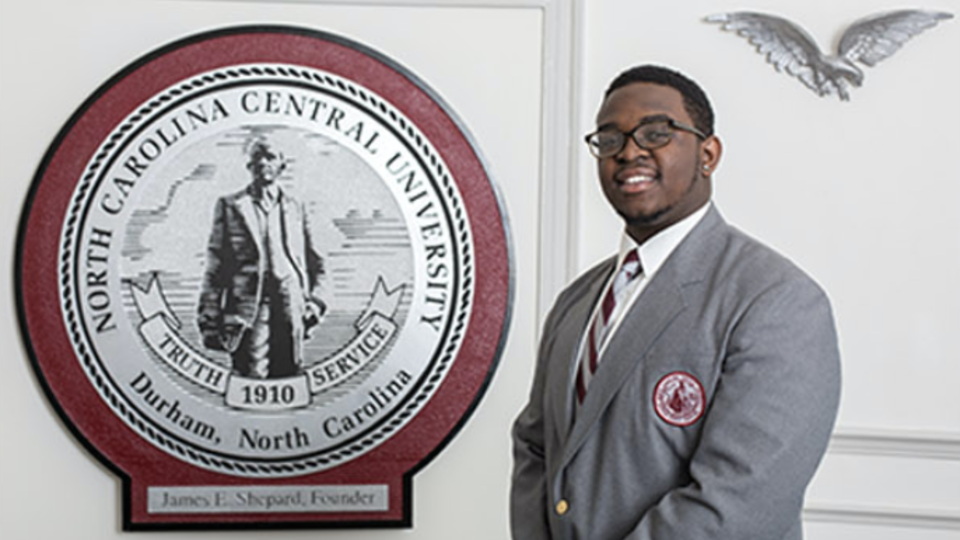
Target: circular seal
<point>265,258</point>
<point>679,399</point>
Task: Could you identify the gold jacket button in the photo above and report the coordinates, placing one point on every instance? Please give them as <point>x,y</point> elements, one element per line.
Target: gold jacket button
<point>562,507</point>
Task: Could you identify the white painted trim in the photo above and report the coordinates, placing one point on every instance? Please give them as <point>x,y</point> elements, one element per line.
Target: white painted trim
<point>896,443</point>
<point>559,218</point>
<point>882,517</point>
<point>493,4</point>
<point>904,444</point>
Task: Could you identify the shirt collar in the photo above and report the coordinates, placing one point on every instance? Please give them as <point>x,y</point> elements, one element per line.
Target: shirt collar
<point>267,196</point>
<point>655,251</point>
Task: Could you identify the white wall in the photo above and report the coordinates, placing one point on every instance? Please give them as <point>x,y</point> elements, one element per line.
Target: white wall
<point>825,182</point>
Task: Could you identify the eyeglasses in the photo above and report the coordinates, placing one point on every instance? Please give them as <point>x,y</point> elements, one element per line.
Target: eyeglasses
<point>649,135</point>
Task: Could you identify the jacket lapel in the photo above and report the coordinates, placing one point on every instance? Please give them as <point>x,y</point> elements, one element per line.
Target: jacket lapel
<point>294,241</point>
<point>626,350</point>
<point>249,214</point>
<point>567,338</point>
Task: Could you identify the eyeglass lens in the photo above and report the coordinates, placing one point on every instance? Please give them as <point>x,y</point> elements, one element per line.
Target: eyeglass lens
<point>648,136</point>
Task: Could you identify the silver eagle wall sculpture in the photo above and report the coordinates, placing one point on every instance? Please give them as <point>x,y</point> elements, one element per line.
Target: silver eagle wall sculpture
<point>790,48</point>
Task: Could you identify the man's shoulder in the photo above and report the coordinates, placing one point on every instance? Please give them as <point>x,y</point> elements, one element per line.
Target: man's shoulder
<point>598,272</point>
<point>757,255</point>
<point>235,197</point>
<point>581,285</point>
<point>287,197</point>
<point>750,264</point>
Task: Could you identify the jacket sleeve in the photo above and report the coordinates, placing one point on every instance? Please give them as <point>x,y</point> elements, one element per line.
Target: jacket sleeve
<point>528,497</point>
<point>209,309</point>
<point>767,427</point>
<point>528,494</point>
<point>316,268</point>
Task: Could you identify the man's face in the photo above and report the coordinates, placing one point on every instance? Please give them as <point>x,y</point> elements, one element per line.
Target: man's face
<point>266,168</point>
<point>653,189</point>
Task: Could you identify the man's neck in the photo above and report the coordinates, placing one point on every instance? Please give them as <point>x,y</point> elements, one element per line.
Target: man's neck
<point>641,232</point>
<point>265,192</point>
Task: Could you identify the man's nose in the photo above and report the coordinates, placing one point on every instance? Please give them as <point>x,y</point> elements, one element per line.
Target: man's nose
<point>631,150</point>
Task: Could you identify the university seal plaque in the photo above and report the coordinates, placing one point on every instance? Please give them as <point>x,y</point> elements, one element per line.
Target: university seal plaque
<point>264,276</point>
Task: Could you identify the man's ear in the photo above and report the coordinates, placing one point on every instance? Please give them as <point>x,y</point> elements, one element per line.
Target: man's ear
<point>710,151</point>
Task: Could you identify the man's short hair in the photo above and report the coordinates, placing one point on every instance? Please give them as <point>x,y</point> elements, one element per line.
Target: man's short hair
<point>258,150</point>
<point>694,98</point>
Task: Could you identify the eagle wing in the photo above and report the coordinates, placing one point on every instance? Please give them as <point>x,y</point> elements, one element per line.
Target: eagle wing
<point>877,37</point>
<point>787,46</point>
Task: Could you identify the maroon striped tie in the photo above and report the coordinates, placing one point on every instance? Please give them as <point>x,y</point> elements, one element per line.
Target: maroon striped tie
<point>590,358</point>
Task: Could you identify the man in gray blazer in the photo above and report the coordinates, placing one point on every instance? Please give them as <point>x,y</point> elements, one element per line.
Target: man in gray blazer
<point>261,288</point>
<point>687,388</point>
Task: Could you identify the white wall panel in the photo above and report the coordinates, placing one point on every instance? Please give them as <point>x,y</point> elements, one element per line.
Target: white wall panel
<point>910,484</point>
<point>856,531</point>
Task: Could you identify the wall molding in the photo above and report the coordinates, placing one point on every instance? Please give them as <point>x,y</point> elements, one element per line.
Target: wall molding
<point>882,517</point>
<point>559,216</point>
<point>904,444</point>
<point>943,445</point>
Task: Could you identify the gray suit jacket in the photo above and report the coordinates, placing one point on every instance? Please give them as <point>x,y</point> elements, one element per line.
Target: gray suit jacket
<point>758,335</point>
<point>233,280</point>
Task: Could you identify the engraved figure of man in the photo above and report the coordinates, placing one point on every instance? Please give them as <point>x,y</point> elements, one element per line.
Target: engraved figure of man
<point>261,288</point>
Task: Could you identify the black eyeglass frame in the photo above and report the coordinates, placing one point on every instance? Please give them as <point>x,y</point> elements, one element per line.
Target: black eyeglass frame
<point>632,134</point>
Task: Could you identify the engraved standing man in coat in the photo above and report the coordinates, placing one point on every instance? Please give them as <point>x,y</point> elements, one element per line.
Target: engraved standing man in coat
<point>261,289</point>
<point>686,388</point>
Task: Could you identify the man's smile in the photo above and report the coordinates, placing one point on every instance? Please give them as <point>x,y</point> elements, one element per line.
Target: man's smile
<point>636,179</point>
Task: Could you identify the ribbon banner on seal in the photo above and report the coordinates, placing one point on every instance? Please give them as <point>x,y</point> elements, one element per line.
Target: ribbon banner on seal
<point>160,329</point>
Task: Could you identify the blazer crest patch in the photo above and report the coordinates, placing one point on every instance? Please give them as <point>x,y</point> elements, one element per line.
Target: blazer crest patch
<point>679,399</point>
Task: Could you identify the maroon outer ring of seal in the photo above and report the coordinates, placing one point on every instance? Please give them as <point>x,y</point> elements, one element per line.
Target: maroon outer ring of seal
<point>703,398</point>
<point>138,462</point>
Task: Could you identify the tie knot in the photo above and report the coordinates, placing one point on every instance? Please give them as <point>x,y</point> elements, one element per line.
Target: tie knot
<point>631,265</point>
